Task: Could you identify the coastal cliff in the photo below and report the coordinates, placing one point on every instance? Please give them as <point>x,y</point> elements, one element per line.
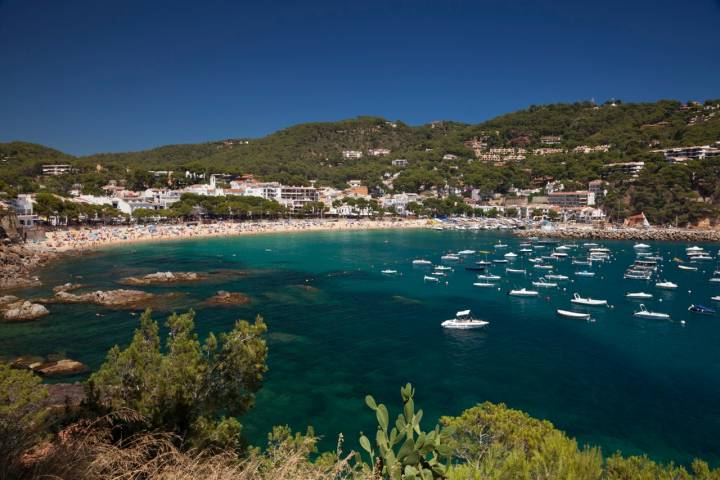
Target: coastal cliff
<point>16,260</point>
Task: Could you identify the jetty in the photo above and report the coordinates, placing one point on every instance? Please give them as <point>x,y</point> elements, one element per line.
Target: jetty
<point>655,234</point>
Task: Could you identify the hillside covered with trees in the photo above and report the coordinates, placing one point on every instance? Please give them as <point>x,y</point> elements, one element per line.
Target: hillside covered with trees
<point>438,154</point>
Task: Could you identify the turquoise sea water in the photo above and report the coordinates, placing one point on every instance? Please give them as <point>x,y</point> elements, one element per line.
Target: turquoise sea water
<point>619,382</point>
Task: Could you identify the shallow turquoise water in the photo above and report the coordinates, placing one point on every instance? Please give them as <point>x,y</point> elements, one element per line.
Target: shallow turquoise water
<point>620,382</point>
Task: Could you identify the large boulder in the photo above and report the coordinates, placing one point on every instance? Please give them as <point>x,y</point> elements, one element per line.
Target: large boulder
<point>67,287</point>
<point>23,310</point>
<point>162,277</point>
<point>60,367</point>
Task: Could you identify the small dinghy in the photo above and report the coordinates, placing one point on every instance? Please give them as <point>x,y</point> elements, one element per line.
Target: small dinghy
<point>483,284</point>
<point>483,263</point>
<point>645,313</point>
<point>500,245</point>
<point>451,257</point>
<point>500,260</point>
<point>421,261</point>
<point>666,285</point>
<point>466,252</point>
<point>510,255</point>
<point>578,300</point>
<point>696,308</point>
<point>443,268</point>
<point>463,320</point>
<point>523,292</point>
<point>388,272</point>
<point>543,284</point>
<point>525,250</point>
<point>715,279</point>
<point>581,262</point>
<point>641,246</point>
<point>543,267</point>
<point>687,267</point>
<point>428,278</point>
<point>585,273</point>
<point>640,295</point>
<point>571,314</point>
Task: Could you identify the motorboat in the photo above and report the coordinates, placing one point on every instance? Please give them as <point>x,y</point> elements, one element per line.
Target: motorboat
<point>510,255</point>
<point>421,261</point>
<point>538,247</point>
<point>702,258</point>
<point>584,273</point>
<point>639,295</point>
<point>515,270</point>
<point>559,254</point>
<point>483,263</point>
<point>715,279</point>
<point>578,300</point>
<point>557,277</point>
<point>443,268</point>
<point>544,284</point>
<point>543,266</point>
<point>463,320</point>
<point>523,292</point>
<point>535,260</point>
<point>645,313</point>
<point>571,314</point>
<point>500,260</point>
<point>451,257</point>
<point>488,277</point>
<point>687,267</point>
<point>500,245</point>
<point>634,275</point>
<point>466,252</point>
<point>563,247</point>
<point>389,272</point>
<point>715,299</point>
<point>439,274</point>
<point>600,250</point>
<point>525,250</point>
<point>581,262</point>
<point>641,246</point>
<point>696,308</point>
<point>484,284</point>
<point>525,245</point>
<point>666,285</point>
<point>590,244</point>
<point>694,248</point>
<point>428,278</point>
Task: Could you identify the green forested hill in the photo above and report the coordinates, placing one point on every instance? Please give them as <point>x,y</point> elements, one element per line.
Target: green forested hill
<point>313,151</point>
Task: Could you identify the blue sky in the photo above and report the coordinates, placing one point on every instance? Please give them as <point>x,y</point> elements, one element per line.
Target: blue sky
<point>88,76</point>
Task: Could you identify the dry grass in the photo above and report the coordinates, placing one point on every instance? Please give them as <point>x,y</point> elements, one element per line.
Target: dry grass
<point>85,451</point>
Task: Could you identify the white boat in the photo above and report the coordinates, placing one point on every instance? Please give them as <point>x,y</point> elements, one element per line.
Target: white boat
<point>500,245</point>
<point>450,257</point>
<point>641,295</point>
<point>715,299</point>
<point>702,258</point>
<point>645,313</point>
<point>421,261</point>
<point>463,320</point>
<point>600,250</point>
<point>578,300</point>
<point>544,284</point>
<point>585,273</point>
<point>526,244</point>
<point>523,292</point>
<point>715,279</point>
<point>641,246</point>
<point>559,254</point>
<point>515,270</point>
<point>694,249</point>
<point>500,260</point>
<point>563,247</point>
<point>484,284</point>
<point>525,250</point>
<point>438,274</point>
<point>428,278</point>
<point>571,314</point>
<point>543,267</point>
<point>388,272</point>
<point>666,285</point>
<point>510,255</point>
<point>590,244</point>
<point>538,247</point>
<point>581,262</point>
<point>557,277</point>
<point>466,252</point>
<point>483,262</point>
<point>687,267</point>
<point>443,268</point>
<point>488,277</point>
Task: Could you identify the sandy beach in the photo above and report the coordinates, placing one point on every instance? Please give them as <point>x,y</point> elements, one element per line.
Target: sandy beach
<point>79,239</point>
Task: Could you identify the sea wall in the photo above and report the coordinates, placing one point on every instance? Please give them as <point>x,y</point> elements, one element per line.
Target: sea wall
<point>657,234</point>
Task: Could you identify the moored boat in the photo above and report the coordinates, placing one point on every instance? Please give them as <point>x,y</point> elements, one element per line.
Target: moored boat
<point>578,300</point>
<point>645,313</point>
<point>697,308</point>
<point>641,295</point>
<point>666,285</point>
<point>515,270</point>
<point>463,320</point>
<point>584,273</point>
<point>523,292</point>
<point>388,272</point>
<point>571,314</point>
<point>428,278</point>
<point>421,261</point>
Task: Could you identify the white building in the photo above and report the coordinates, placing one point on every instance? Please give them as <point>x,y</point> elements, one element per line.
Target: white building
<point>56,169</point>
<point>399,162</point>
<point>378,152</point>
<point>352,154</point>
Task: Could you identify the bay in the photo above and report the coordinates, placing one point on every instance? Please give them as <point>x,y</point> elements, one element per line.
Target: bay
<point>339,329</point>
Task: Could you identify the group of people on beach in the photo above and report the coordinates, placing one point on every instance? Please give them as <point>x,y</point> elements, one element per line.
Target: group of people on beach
<point>93,237</point>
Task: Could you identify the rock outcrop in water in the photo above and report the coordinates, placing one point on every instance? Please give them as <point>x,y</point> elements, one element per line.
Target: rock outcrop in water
<point>68,287</point>
<point>162,277</point>
<point>109,298</point>
<point>229,298</point>
<point>49,368</point>
<point>13,309</point>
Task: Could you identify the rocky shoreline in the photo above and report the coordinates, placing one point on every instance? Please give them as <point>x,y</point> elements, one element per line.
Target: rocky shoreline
<point>649,234</point>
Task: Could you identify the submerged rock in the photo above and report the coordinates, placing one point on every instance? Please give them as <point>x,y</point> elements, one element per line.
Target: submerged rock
<point>229,298</point>
<point>162,277</point>
<point>67,287</point>
<point>110,298</point>
<point>27,362</point>
<point>23,310</point>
